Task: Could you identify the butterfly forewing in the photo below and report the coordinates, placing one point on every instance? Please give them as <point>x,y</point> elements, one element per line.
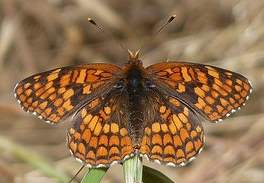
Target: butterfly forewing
<point>55,95</point>
<point>212,92</point>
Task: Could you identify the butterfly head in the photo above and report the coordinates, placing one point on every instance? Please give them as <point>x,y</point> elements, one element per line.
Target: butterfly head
<point>133,59</point>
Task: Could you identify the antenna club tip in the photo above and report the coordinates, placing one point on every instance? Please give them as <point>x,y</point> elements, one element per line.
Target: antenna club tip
<point>91,20</point>
<point>172,18</point>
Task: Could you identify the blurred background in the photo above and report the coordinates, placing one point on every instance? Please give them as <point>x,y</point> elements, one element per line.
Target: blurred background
<point>40,35</point>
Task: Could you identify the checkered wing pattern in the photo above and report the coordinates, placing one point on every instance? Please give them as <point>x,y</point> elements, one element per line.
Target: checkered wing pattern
<point>55,95</point>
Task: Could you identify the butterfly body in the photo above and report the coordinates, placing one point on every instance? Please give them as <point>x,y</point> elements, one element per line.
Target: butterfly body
<point>118,112</point>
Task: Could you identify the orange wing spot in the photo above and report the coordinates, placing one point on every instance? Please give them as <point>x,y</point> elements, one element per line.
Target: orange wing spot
<point>224,102</point>
<point>164,128</point>
<point>43,105</point>
<point>57,101</point>
<point>175,124</point>
<point>156,127</point>
<point>174,102</point>
<point>44,95</point>
<point>199,92</point>
<point>183,118</point>
<point>208,109</point>
<point>184,134</point>
<point>98,129</point>
<point>53,96</point>
<point>101,152</point>
<point>246,86</point>
<point>114,128</point>
<point>177,141</point>
<point>185,74</point>
<point>244,94</point>
<point>37,77</point>
<point>36,86</point>
<point>198,144</point>
<point>202,78</point>
<point>35,104</point>
<point>181,88</point>
<point>147,131</point>
<point>81,148</point>
<point>156,139</point>
<point>19,90</point>
<point>65,80</point>
<point>180,155</point>
<point>37,110</point>
<point>162,109</point>
<point>28,92</point>
<point>156,150</point>
<point>61,90</point>
<point>94,142</point>
<point>114,140</point>
<point>86,90</point>
<point>201,104</point>
<point>167,139</point>
<point>212,72</point>
<point>189,147</point>
<point>144,148</point>
<point>81,77</point>
<point>209,99</point>
<point>123,132</point>
<point>107,110</point>
<point>206,88</point>
<point>169,150</point>
<point>92,78</point>
<point>93,123</point>
<point>84,113</point>
<point>22,98</point>
<point>169,71</point>
<point>60,111</point>
<point>73,146</point>
<point>106,128</point>
<point>68,94</point>
<point>87,118</point>
<point>214,94</point>
<point>87,134</point>
<point>91,156</point>
<point>166,114</point>
<point>113,151</point>
<point>48,111</point>
<point>67,105</point>
<point>126,142</point>
<point>103,140</point>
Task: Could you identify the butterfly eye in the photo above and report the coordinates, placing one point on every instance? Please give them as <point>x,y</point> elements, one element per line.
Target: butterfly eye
<point>128,62</point>
<point>139,62</point>
<point>149,85</point>
<point>120,86</point>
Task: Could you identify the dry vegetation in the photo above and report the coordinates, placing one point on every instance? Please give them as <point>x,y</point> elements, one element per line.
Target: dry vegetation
<point>39,35</point>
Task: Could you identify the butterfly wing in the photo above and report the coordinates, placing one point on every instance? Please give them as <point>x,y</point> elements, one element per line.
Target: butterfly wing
<point>98,135</point>
<point>55,95</point>
<point>212,92</point>
<point>173,134</point>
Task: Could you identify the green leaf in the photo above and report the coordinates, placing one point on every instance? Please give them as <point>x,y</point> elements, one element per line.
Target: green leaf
<point>94,175</point>
<point>151,175</point>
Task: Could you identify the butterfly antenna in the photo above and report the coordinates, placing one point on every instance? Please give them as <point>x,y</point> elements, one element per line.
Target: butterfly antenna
<point>154,35</point>
<point>76,174</point>
<point>105,33</point>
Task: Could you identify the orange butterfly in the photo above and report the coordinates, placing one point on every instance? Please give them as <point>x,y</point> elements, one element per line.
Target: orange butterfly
<point>118,112</point>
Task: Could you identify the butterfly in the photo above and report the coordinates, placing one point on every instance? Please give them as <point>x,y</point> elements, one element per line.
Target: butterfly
<point>119,112</point>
